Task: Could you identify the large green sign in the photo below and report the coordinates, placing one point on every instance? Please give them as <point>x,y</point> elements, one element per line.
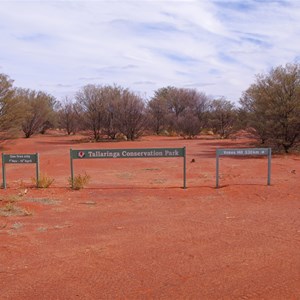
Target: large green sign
<point>129,153</point>
<point>19,159</point>
<point>244,152</point>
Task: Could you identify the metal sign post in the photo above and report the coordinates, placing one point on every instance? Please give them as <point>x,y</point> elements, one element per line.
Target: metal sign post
<point>244,152</point>
<point>128,153</point>
<point>19,159</point>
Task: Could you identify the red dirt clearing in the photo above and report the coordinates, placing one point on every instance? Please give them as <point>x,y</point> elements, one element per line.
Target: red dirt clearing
<point>134,233</point>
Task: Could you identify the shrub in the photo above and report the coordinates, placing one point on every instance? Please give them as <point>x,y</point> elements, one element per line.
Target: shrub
<point>44,181</point>
<point>79,181</point>
<point>272,105</point>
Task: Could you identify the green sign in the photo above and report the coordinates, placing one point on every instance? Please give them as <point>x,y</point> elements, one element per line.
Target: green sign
<point>243,152</point>
<point>19,159</point>
<point>129,153</point>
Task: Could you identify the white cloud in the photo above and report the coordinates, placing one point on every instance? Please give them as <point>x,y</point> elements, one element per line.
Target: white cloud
<point>215,46</point>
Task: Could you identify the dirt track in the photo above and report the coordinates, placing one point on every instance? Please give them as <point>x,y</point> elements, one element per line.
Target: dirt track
<point>134,233</point>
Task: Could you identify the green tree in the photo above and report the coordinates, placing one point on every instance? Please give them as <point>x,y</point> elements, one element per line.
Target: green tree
<point>90,107</point>
<point>157,110</point>
<point>273,104</point>
<point>194,118</point>
<point>67,117</point>
<point>112,96</point>
<point>38,110</point>
<point>11,110</point>
<point>179,109</point>
<point>130,115</point>
<point>223,116</point>
<point>97,107</point>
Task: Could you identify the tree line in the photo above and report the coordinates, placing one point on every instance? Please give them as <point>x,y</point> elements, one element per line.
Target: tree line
<point>269,109</point>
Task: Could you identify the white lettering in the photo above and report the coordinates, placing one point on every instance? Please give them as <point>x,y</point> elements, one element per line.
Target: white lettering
<point>171,153</point>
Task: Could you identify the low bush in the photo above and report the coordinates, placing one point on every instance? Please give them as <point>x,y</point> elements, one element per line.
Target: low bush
<point>44,181</point>
<point>79,181</point>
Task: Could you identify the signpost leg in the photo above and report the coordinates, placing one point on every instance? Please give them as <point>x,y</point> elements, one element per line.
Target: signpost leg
<point>3,172</point>
<point>184,168</point>
<point>217,171</point>
<point>269,166</point>
<point>37,170</point>
<point>72,175</point>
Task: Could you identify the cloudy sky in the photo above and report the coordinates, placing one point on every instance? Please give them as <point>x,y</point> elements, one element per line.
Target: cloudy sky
<point>215,46</point>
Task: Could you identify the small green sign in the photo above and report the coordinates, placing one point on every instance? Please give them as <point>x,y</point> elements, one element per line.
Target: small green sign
<point>243,152</point>
<point>19,159</point>
<point>129,153</point>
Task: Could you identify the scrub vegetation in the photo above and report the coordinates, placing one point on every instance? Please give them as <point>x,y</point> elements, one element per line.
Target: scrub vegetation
<point>44,181</point>
<point>269,109</point>
<point>79,181</point>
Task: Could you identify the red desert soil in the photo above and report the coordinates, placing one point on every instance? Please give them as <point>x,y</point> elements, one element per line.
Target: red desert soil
<point>134,233</point>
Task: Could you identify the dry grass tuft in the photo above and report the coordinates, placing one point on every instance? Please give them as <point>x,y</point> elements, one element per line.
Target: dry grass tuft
<point>11,209</point>
<point>79,181</point>
<point>44,181</point>
<point>45,201</point>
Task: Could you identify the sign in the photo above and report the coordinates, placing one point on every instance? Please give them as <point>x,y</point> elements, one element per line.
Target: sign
<point>129,153</point>
<point>244,152</point>
<point>19,159</point>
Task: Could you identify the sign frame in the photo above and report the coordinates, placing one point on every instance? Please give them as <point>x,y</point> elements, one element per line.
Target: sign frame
<point>128,153</point>
<point>243,152</point>
<point>19,158</point>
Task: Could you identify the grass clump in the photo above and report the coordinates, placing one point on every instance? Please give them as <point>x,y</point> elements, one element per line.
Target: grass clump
<point>45,201</point>
<point>79,181</point>
<point>10,198</point>
<point>44,181</point>
<point>10,209</point>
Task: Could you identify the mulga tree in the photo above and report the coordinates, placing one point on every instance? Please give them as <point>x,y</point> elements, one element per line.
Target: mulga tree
<point>273,103</point>
<point>223,116</point>
<point>112,95</point>
<point>90,107</point>
<point>179,109</point>
<point>157,111</point>
<point>38,110</point>
<point>67,117</point>
<point>98,106</point>
<point>11,110</point>
<point>194,117</point>
<point>130,116</point>
<point>166,107</point>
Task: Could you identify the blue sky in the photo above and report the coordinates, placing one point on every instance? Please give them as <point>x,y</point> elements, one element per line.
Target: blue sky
<point>215,46</point>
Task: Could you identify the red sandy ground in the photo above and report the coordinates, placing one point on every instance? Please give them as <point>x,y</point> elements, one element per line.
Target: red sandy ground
<point>134,233</point>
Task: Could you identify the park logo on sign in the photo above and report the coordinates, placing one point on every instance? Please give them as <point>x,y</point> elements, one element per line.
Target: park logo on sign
<point>81,154</point>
